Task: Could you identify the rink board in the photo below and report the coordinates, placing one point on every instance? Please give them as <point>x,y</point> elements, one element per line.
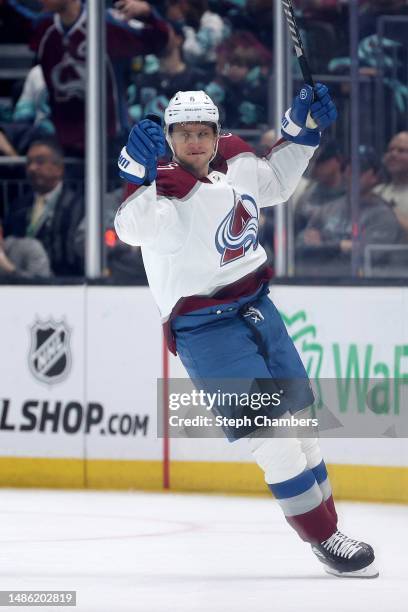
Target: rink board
<point>79,367</point>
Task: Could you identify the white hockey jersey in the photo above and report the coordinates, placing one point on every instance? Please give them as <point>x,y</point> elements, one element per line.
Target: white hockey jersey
<point>199,235</point>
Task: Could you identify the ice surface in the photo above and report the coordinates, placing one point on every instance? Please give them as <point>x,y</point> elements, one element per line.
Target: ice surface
<point>171,552</point>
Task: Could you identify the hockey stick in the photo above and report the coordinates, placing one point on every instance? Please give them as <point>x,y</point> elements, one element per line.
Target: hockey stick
<point>300,52</point>
<point>297,42</point>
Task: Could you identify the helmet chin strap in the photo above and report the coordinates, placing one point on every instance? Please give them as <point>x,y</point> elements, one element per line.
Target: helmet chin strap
<point>215,146</point>
<point>168,139</point>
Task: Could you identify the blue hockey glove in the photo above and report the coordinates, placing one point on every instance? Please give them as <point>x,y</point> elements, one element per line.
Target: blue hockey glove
<point>312,112</point>
<point>138,160</point>
<point>296,125</point>
<point>323,110</point>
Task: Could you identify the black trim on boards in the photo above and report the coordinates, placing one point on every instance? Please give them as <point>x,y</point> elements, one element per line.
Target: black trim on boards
<point>289,280</point>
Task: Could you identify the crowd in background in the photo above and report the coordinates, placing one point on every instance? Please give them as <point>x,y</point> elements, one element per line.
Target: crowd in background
<point>226,48</point>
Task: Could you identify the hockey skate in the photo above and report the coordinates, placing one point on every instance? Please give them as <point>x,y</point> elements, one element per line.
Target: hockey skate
<point>345,557</point>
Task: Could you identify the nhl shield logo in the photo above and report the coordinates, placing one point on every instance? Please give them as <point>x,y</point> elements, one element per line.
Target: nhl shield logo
<point>50,354</point>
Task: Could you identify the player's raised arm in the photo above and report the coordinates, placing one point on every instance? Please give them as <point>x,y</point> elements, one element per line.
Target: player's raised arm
<point>312,111</point>
<point>138,159</point>
<point>142,217</point>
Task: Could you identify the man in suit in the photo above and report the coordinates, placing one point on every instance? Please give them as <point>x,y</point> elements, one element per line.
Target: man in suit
<point>50,212</point>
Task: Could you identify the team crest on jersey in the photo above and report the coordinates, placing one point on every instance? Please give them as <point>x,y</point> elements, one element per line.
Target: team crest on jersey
<point>238,232</point>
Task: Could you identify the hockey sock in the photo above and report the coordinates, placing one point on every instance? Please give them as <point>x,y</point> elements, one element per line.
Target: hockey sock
<point>295,487</point>
<point>302,503</point>
<point>311,448</point>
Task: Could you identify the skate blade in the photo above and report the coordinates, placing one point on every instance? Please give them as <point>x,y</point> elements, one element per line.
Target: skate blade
<point>367,572</point>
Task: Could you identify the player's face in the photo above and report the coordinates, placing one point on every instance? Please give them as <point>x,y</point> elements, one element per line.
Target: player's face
<point>396,157</point>
<point>194,145</point>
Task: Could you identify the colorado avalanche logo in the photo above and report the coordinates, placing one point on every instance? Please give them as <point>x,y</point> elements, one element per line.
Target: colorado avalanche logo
<point>239,230</point>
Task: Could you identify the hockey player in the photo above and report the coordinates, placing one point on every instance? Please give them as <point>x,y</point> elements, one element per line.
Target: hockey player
<point>196,220</point>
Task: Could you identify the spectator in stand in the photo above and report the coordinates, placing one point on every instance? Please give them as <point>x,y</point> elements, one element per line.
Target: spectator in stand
<point>51,212</point>
<point>326,183</point>
<point>13,27</point>
<point>151,93</point>
<point>7,172</point>
<point>32,105</point>
<point>324,28</point>
<point>254,16</point>
<point>6,148</point>
<point>395,190</point>
<point>59,40</point>
<point>316,5</point>
<point>31,115</point>
<point>241,82</point>
<point>321,9</point>
<point>324,247</point>
<point>203,29</point>
<point>22,258</point>
<point>372,9</point>
<point>382,62</point>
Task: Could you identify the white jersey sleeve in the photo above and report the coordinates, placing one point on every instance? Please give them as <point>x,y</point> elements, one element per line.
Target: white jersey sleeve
<point>148,220</point>
<point>280,171</point>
